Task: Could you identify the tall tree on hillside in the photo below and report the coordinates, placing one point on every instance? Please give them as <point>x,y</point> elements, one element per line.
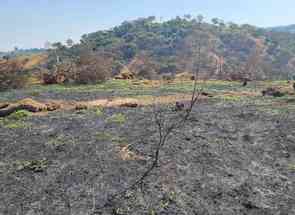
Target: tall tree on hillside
<point>219,58</point>
<point>233,27</point>
<point>57,47</point>
<point>70,42</point>
<point>205,44</point>
<point>254,61</point>
<point>215,21</point>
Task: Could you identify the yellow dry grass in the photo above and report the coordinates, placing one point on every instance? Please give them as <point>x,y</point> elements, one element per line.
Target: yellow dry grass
<point>240,93</point>
<point>127,155</point>
<point>34,60</point>
<point>25,62</point>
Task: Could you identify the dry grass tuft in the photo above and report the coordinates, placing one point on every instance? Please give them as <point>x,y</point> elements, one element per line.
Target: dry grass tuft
<point>127,155</point>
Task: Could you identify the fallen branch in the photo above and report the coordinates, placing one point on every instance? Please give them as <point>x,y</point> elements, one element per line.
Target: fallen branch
<point>25,104</point>
<point>3,105</point>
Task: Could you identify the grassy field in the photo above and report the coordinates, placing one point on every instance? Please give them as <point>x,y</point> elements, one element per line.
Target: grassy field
<point>227,91</point>
<point>129,88</point>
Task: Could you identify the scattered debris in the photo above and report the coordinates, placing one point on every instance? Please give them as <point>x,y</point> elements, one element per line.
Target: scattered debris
<point>206,94</point>
<point>185,76</point>
<point>129,104</point>
<point>49,78</point>
<point>126,154</point>
<point>3,105</point>
<point>25,104</point>
<point>52,106</point>
<point>31,165</point>
<point>125,75</point>
<point>245,81</point>
<point>271,91</point>
<point>179,106</point>
<point>81,107</point>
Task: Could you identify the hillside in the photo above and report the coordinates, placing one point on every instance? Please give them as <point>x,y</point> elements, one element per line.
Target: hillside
<point>149,48</point>
<point>85,142</point>
<point>26,62</point>
<point>287,28</point>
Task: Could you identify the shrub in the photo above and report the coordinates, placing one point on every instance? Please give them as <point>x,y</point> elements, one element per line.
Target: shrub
<point>273,92</point>
<point>168,77</point>
<point>90,74</point>
<point>98,112</point>
<point>60,74</point>
<point>49,78</point>
<point>93,68</point>
<point>12,76</point>
<point>88,68</point>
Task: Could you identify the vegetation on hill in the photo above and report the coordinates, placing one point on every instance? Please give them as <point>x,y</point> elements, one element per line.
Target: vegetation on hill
<point>22,52</point>
<point>15,72</point>
<point>287,28</point>
<point>149,48</point>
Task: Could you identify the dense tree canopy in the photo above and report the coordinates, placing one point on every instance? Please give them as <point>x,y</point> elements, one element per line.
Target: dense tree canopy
<point>169,45</point>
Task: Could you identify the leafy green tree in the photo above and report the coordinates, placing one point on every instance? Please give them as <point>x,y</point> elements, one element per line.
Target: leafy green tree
<point>229,44</point>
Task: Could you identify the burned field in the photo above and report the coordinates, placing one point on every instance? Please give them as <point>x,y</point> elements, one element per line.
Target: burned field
<point>234,155</point>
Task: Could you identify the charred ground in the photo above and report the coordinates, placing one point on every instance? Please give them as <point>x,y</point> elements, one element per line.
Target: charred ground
<point>235,155</point>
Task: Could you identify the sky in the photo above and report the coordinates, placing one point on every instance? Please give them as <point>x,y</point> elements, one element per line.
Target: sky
<point>30,23</point>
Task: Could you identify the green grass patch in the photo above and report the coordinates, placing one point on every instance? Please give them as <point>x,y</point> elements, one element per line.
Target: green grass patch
<point>105,136</point>
<point>59,141</point>
<point>131,88</point>
<point>31,165</point>
<point>34,93</point>
<point>14,124</point>
<point>16,120</point>
<point>122,88</point>
<point>232,98</point>
<point>19,115</point>
<point>99,112</point>
<point>117,118</point>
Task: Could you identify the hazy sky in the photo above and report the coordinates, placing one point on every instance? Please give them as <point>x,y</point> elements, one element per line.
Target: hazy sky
<point>29,23</point>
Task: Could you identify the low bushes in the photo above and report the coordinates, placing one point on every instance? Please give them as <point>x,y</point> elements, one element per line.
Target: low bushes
<point>273,92</point>
<point>88,68</point>
<point>12,76</point>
